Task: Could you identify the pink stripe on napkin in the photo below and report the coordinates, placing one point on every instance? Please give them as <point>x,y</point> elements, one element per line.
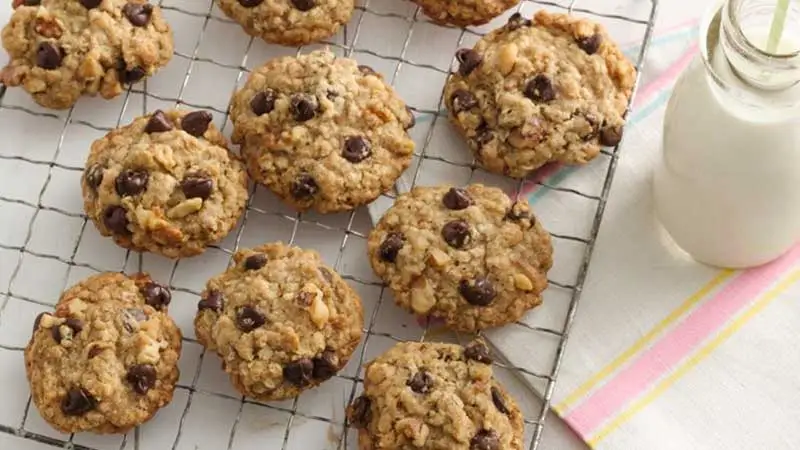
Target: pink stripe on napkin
<point>677,344</point>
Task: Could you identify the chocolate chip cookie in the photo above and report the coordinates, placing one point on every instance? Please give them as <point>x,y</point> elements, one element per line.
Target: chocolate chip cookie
<point>551,89</point>
<point>469,256</point>
<point>107,359</point>
<point>464,12</point>
<point>435,396</point>
<point>166,183</point>
<point>280,319</point>
<point>62,49</point>
<point>289,22</point>
<point>321,131</point>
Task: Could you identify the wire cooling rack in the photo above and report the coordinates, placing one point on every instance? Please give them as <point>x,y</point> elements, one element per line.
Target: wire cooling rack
<point>47,245</point>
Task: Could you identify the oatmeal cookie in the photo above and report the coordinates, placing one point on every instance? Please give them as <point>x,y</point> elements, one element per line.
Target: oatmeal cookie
<point>280,319</point>
<point>321,131</point>
<point>62,49</point>
<point>464,12</point>
<point>289,22</point>
<point>107,359</point>
<point>435,396</point>
<point>166,183</point>
<point>551,89</point>
<point>469,256</point>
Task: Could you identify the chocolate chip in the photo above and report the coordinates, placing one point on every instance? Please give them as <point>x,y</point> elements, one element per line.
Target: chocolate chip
<point>589,44</point>
<point>156,295</point>
<point>485,440</point>
<point>478,292</point>
<point>212,301</point>
<point>89,4</point>
<point>611,136</point>
<point>37,321</point>
<point>158,123</point>
<point>138,13</point>
<point>540,89</point>
<point>518,211</point>
<point>131,318</point>
<point>463,100</point>
<point>77,402</point>
<point>255,261</point>
<point>250,3</point>
<point>456,233</point>
<point>263,102</point>
<point>94,176</point>
<point>391,246</point>
<point>360,412</point>
<point>413,119</point>
<point>499,401</point>
<point>325,365</point>
<point>196,123</point>
<point>478,351</point>
<point>303,109</point>
<point>27,2</point>
<point>366,70</point>
<point>196,186</point>
<point>299,372</point>
<point>469,60</point>
<point>249,318</point>
<point>516,21</point>
<point>75,326</point>
<point>132,182</point>
<point>483,135</point>
<point>421,382</point>
<point>304,5</point>
<point>142,378</point>
<point>94,351</point>
<point>356,149</point>
<point>49,56</point>
<point>457,199</point>
<point>116,220</point>
<point>133,75</point>
<point>304,187</point>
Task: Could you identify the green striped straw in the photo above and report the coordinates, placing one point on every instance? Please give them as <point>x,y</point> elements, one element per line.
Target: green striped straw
<point>778,23</point>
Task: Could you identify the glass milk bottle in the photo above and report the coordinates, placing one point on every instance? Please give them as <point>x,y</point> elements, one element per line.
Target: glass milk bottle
<point>728,186</point>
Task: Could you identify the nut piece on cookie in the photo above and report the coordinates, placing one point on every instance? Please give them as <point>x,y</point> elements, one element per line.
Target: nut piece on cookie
<point>322,132</point>
<point>106,360</point>
<point>166,183</point>
<point>464,13</point>
<point>433,395</point>
<point>289,22</point>
<point>551,89</point>
<point>470,256</point>
<point>62,49</point>
<point>280,320</point>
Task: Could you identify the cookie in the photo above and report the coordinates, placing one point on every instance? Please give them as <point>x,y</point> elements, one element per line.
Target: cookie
<point>469,256</point>
<point>422,395</point>
<point>289,22</point>
<point>166,183</point>
<point>62,49</point>
<point>321,131</point>
<point>107,359</point>
<point>464,13</point>
<point>280,320</point>
<point>554,89</point>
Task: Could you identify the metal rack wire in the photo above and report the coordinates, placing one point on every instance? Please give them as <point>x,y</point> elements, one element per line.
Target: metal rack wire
<point>350,46</point>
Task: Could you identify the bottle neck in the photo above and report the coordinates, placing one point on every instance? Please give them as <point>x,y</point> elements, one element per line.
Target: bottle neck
<point>745,39</point>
